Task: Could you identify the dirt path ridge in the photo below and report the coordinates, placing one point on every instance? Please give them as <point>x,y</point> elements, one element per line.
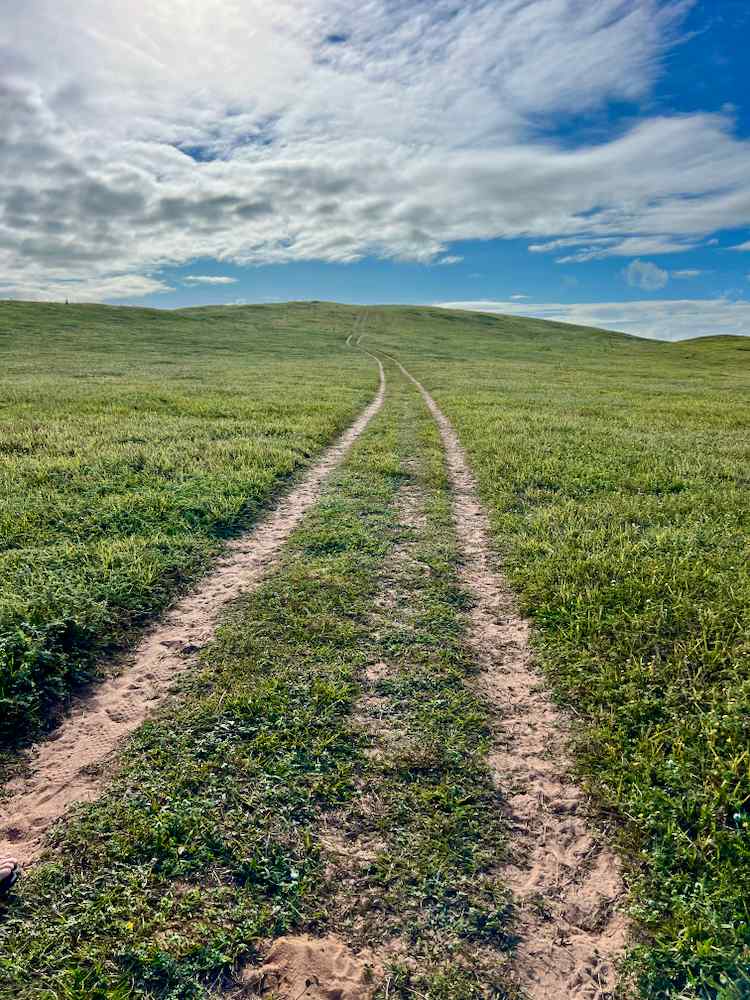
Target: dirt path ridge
<point>61,768</point>
<point>566,883</point>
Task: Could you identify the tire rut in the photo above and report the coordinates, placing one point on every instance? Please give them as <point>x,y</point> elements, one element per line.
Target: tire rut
<point>567,884</point>
<point>62,770</point>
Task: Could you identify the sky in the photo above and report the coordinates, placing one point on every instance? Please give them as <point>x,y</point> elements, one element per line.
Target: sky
<point>581,160</point>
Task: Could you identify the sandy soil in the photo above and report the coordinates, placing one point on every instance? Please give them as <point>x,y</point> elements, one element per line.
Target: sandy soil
<point>567,884</point>
<point>306,968</point>
<point>62,769</point>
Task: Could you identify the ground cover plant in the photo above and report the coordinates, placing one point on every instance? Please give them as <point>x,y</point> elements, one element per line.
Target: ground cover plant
<point>216,834</point>
<point>616,474</point>
<point>326,771</point>
<point>131,443</point>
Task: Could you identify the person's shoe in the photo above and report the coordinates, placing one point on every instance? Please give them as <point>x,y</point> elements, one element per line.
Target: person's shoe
<point>10,871</point>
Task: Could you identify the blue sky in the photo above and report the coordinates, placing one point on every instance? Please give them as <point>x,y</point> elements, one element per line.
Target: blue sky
<point>584,160</point>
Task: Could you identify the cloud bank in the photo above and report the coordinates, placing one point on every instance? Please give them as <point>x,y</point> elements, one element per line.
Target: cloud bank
<point>665,319</point>
<point>209,279</point>
<point>142,135</point>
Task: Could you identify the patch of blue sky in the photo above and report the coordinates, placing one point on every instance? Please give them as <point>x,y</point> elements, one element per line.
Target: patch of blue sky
<point>492,270</point>
<point>709,70</point>
<point>703,71</point>
<point>201,154</point>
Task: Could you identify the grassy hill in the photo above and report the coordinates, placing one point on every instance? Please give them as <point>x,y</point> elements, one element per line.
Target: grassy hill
<point>616,474</point>
<point>132,441</point>
<point>615,471</point>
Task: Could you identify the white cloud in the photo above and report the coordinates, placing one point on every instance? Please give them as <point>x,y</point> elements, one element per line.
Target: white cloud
<point>598,248</point>
<point>646,275</point>
<point>687,273</point>
<point>123,286</point>
<point>448,261</point>
<point>742,247</point>
<point>209,279</point>
<point>664,319</point>
<point>631,246</point>
<point>516,297</point>
<point>234,130</point>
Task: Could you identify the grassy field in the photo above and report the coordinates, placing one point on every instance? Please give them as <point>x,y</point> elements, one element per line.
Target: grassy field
<point>131,443</point>
<point>221,830</point>
<point>616,474</point>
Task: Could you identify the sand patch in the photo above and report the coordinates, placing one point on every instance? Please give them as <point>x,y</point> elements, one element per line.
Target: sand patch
<point>307,968</point>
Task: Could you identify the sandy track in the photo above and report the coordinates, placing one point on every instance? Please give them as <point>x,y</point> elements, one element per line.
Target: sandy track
<point>60,769</point>
<point>566,883</point>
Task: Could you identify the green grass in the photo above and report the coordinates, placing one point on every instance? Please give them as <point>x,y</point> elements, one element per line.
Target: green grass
<point>132,442</point>
<point>209,840</point>
<point>426,807</point>
<point>616,474</point>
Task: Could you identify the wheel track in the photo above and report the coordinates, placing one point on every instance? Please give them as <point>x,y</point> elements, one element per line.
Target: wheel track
<point>567,884</point>
<point>61,769</point>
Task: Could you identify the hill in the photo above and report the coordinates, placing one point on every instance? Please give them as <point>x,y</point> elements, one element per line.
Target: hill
<point>135,443</point>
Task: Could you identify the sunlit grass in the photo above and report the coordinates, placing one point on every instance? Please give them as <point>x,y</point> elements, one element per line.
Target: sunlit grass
<point>131,443</point>
<point>209,841</point>
<point>616,474</point>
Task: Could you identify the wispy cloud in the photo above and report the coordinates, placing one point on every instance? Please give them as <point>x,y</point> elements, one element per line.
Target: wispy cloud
<point>742,247</point>
<point>263,133</point>
<point>104,287</point>
<point>209,279</point>
<point>688,273</point>
<point>598,248</point>
<point>449,260</point>
<point>646,275</point>
<point>665,319</point>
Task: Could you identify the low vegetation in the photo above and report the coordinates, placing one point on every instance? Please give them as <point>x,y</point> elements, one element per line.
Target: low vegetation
<point>325,771</point>
<point>131,443</point>
<point>616,473</point>
<point>217,833</point>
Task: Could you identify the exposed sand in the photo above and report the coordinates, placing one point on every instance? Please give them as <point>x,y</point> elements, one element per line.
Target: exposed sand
<point>60,768</point>
<point>567,884</point>
<point>306,968</point>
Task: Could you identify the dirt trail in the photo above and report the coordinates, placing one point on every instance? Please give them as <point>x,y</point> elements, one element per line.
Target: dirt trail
<point>305,967</point>
<point>567,884</point>
<point>61,768</point>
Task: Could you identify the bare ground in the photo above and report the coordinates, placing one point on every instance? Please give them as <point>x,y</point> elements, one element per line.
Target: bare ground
<point>567,884</point>
<point>63,769</point>
<point>311,968</point>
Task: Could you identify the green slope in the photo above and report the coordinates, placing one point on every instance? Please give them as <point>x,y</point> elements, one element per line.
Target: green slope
<point>131,442</point>
<point>616,472</point>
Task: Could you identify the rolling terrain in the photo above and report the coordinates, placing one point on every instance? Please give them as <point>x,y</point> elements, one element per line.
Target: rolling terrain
<point>358,763</point>
<point>132,443</point>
